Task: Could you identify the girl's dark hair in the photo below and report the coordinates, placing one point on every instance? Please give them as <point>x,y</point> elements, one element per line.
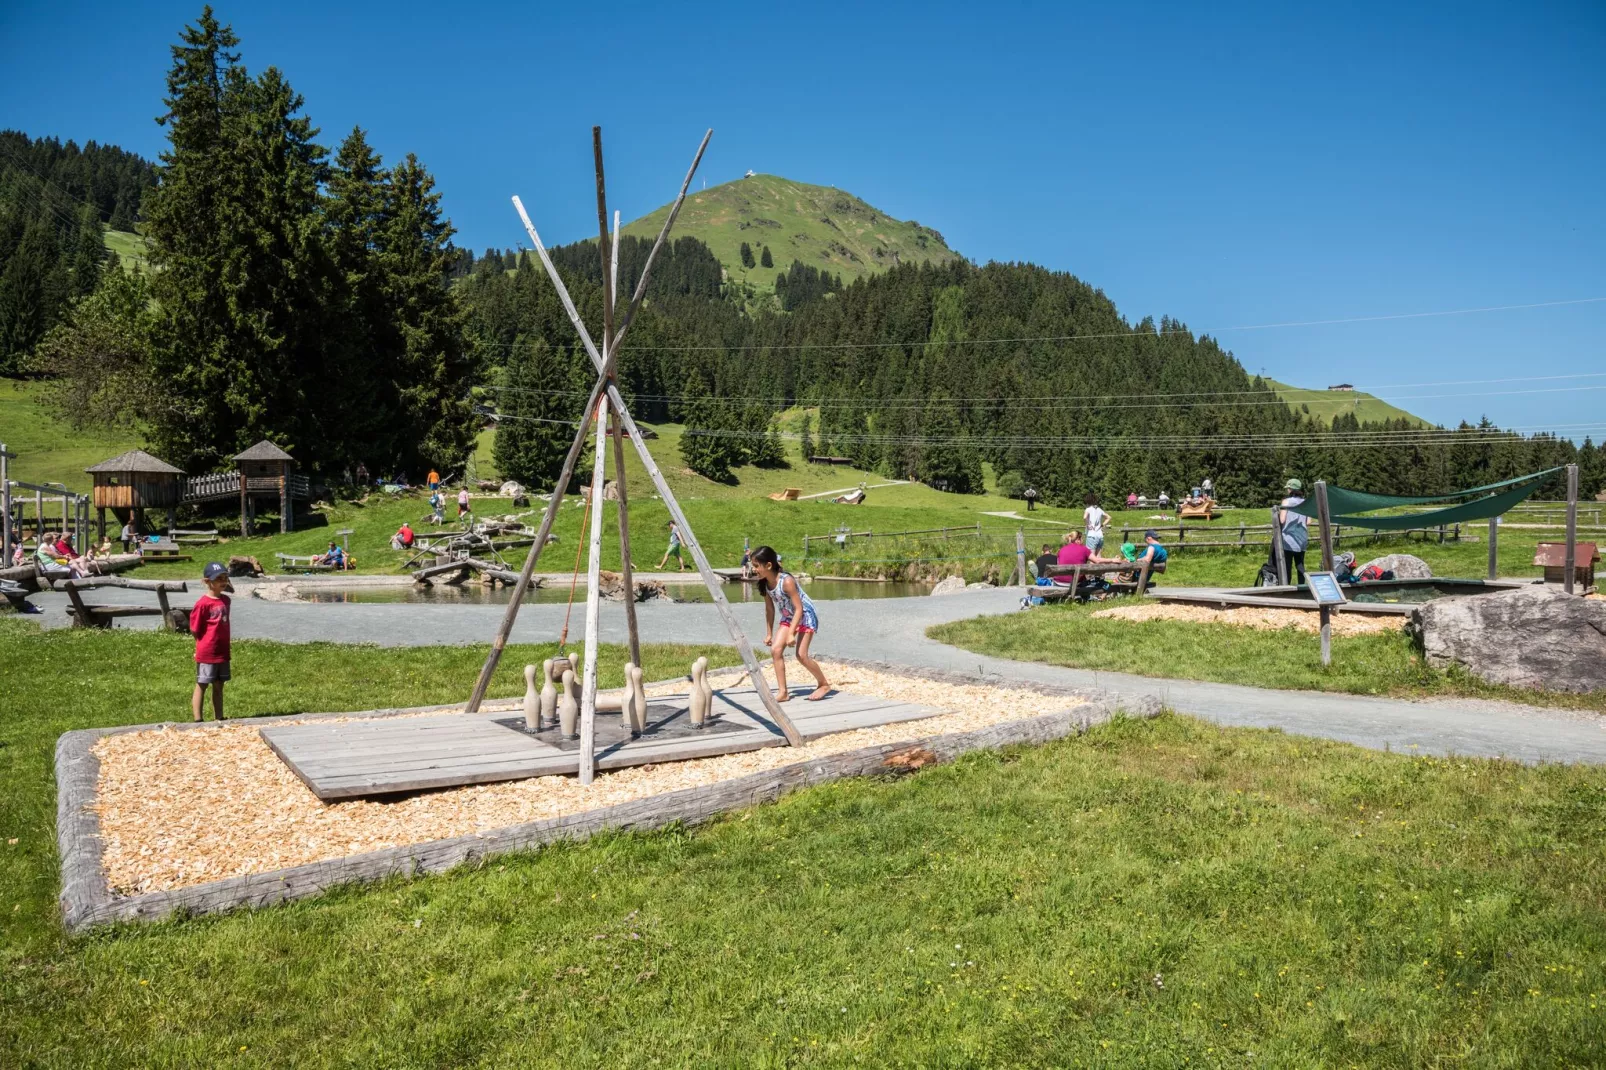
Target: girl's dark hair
<point>764,555</point>
<point>1091,499</point>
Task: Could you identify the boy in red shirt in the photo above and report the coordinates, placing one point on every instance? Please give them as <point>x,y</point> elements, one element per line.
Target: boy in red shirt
<point>209,623</point>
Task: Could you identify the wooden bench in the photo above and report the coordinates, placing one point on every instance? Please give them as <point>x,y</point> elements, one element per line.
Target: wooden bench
<point>197,536</point>
<point>302,563</point>
<point>1145,571</point>
<point>1205,510</point>
<point>90,615</point>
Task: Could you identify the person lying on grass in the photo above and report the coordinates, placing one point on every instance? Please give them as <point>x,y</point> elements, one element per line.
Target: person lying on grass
<point>799,622</point>
<point>209,623</point>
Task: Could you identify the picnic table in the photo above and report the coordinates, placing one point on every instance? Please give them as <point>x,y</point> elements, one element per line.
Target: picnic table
<point>1140,585</point>
<point>162,550</point>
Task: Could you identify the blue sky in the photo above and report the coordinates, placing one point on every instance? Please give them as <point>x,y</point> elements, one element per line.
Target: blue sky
<point>1229,166</point>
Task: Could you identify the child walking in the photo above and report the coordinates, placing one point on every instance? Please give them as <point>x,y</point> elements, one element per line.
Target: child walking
<point>799,622</point>
<point>209,623</point>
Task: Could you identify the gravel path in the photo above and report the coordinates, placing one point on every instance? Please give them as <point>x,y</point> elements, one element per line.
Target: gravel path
<point>893,630</point>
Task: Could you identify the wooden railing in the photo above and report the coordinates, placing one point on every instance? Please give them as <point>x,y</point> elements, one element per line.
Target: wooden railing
<point>214,485</point>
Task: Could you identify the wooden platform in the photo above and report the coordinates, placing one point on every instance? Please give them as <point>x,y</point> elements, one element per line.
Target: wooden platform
<point>383,756</point>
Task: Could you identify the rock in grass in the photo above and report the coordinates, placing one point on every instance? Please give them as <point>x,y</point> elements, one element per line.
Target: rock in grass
<point>1536,637</point>
<point>1404,567</point>
<point>951,585</point>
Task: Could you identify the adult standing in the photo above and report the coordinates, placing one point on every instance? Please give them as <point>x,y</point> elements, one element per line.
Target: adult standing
<point>1030,494</point>
<point>1294,528</point>
<point>1094,519</point>
<point>463,509</point>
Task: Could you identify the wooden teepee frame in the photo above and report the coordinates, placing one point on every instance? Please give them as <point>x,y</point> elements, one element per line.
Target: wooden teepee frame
<point>606,407</point>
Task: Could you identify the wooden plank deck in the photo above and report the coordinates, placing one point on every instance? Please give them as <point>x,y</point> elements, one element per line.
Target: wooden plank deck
<point>383,756</point>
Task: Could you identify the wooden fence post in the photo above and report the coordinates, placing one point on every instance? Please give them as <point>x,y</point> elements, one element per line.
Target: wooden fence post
<point>1020,554</point>
<point>1324,520</point>
<point>5,505</point>
<point>1277,550</point>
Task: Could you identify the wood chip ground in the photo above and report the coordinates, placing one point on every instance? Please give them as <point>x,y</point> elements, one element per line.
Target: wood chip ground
<point>179,808</point>
<point>1255,617</point>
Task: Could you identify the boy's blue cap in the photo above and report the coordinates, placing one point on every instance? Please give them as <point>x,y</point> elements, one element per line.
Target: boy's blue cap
<point>214,570</point>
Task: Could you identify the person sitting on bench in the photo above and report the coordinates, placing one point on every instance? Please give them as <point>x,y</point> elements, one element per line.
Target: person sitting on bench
<point>335,557</point>
<point>1049,556</point>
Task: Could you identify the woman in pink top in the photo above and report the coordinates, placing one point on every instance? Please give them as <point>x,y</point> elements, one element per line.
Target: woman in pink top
<point>1074,552</point>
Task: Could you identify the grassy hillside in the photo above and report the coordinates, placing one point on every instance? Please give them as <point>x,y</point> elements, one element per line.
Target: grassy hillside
<point>47,449</point>
<point>132,249</point>
<point>1326,404</point>
<point>824,227</point>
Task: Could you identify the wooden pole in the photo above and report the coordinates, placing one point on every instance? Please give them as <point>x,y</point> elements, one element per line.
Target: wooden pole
<point>1020,554</point>
<point>609,279</point>
<point>511,614</point>
<point>626,569</point>
<point>5,505</point>
<point>1571,559</point>
<point>588,682</point>
<point>1494,550</point>
<point>1277,549</point>
<point>1325,520</point>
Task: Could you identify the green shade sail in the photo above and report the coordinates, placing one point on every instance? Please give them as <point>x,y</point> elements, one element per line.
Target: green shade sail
<point>1346,505</point>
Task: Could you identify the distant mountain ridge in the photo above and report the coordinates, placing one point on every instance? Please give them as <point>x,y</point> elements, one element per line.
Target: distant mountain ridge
<point>821,226</point>
<point>1324,405</point>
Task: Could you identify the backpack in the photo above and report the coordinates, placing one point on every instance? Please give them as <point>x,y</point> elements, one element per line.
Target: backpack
<point>1372,572</point>
<point>1267,576</point>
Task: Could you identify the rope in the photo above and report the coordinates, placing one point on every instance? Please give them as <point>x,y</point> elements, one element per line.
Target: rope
<point>574,580</point>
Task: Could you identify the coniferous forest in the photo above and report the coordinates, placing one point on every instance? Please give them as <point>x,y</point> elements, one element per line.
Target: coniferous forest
<point>315,297</point>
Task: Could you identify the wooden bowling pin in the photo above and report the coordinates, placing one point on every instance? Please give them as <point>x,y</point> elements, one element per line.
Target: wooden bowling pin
<point>708,692</point>
<point>699,708</point>
<point>638,698</point>
<point>549,696</point>
<point>532,701</point>
<point>569,706</point>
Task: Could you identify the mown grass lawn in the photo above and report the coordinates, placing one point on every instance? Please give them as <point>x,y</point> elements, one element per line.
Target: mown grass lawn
<point>1377,664</point>
<point>1157,893</point>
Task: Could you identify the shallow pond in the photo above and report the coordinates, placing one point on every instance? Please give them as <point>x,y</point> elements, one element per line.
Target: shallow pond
<point>476,594</point>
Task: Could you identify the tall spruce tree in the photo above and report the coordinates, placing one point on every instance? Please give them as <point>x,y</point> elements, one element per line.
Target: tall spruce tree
<point>747,255</point>
<point>436,367</point>
<point>765,259</point>
<point>703,445</point>
<point>533,435</point>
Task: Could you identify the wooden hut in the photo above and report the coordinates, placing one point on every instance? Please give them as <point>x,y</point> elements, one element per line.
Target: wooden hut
<point>132,482</point>
<point>268,471</point>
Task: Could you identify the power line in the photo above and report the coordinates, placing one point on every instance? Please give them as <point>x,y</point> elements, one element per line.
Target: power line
<point>1130,333</point>
<point>903,403</point>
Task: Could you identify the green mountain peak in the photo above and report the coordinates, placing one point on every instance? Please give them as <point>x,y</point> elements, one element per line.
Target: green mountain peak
<point>824,227</point>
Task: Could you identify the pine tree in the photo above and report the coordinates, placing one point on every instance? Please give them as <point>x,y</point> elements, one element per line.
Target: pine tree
<point>532,438</point>
<point>25,300</point>
<point>89,254</point>
<point>702,446</point>
<point>747,255</point>
<point>435,365</point>
<point>806,444</point>
<point>948,459</point>
<point>766,259</point>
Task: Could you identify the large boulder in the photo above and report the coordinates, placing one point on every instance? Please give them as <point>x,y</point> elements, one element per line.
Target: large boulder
<point>1404,566</point>
<point>951,585</point>
<point>1535,637</point>
<point>611,586</point>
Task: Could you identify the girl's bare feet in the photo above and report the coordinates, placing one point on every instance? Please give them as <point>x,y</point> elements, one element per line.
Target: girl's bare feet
<point>818,693</point>
<point>784,696</point>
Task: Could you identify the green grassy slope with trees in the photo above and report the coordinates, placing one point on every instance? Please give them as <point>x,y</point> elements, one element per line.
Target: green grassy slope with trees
<point>823,227</point>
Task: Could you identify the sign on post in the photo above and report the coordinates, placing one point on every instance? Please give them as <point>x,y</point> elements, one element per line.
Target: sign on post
<point>1325,590</point>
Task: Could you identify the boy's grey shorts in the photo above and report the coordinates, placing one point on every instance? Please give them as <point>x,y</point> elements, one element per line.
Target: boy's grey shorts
<point>207,672</point>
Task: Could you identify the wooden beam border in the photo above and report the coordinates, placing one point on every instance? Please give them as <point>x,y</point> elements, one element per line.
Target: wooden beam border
<point>87,899</point>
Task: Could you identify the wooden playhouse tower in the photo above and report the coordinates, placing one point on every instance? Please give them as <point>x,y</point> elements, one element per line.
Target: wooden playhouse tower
<point>133,482</point>
<point>266,471</point>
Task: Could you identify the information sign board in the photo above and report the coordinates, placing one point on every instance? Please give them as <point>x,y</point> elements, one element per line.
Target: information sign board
<point>1324,588</point>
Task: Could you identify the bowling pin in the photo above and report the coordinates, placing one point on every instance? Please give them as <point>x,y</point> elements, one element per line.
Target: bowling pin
<point>549,696</point>
<point>699,711</point>
<point>638,696</point>
<point>569,706</point>
<point>532,701</point>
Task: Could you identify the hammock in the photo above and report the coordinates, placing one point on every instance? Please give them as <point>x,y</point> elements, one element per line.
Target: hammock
<point>1345,505</point>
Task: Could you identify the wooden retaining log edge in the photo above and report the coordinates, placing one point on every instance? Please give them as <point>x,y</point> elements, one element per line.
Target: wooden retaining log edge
<point>87,899</point>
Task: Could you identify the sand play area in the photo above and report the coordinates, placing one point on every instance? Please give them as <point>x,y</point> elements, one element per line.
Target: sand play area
<point>180,807</point>
<point>1255,617</point>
